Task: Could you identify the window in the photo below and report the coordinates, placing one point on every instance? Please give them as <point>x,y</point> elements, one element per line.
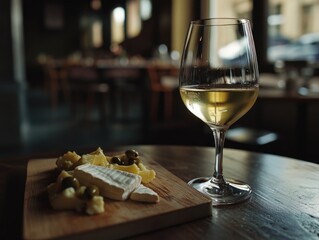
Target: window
<point>293,32</point>
<point>91,28</point>
<point>117,23</point>
<point>145,9</point>
<point>230,8</point>
<point>136,11</point>
<point>97,36</point>
<point>134,24</point>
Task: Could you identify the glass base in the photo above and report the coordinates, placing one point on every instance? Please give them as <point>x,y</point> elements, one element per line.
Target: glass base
<point>231,192</point>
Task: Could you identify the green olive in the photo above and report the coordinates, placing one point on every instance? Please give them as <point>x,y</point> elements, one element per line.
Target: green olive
<point>131,154</point>
<point>116,160</point>
<point>90,192</point>
<point>128,162</point>
<point>68,182</point>
<point>137,161</point>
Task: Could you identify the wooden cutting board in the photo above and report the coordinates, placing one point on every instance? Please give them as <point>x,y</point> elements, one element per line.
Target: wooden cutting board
<point>178,203</point>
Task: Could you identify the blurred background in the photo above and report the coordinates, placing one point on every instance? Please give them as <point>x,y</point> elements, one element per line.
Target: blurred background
<point>88,73</point>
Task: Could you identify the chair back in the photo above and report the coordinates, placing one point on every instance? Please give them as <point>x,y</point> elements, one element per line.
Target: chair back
<point>162,77</point>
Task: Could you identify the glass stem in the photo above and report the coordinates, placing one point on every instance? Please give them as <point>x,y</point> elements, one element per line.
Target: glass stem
<point>219,137</point>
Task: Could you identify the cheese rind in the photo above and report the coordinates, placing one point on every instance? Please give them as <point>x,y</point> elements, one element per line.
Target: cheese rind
<point>113,184</point>
<point>144,194</point>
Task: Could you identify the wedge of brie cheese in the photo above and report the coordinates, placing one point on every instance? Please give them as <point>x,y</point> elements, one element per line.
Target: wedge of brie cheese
<point>113,184</point>
<point>144,194</point>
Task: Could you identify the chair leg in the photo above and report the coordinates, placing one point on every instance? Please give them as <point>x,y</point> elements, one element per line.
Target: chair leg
<point>65,88</point>
<point>73,102</point>
<point>154,106</point>
<point>89,104</point>
<point>168,102</point>
<point>54,92</point>
<point>102,107</point>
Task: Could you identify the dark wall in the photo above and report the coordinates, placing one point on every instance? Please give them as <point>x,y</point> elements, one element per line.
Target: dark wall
<point>162,12</point>
<point>41,38</point>
<point>6,67</point>
<point>259,19</point>
<point>55,41</point>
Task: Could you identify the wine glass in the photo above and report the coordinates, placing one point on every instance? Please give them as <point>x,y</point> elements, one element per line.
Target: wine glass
<point>219,83</point>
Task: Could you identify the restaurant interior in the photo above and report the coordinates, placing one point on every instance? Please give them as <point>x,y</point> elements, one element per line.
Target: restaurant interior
<point>77,75</point>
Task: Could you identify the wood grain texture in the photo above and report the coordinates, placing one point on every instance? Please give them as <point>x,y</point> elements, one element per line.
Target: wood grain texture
<point>284,202</point>
<point>179,203</point>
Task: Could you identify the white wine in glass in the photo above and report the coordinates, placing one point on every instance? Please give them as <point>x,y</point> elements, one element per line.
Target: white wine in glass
<point>219,84</point>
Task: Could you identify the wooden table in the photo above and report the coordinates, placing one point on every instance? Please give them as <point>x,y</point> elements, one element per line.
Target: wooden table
<point>284,203</point>
<point>301,104</point>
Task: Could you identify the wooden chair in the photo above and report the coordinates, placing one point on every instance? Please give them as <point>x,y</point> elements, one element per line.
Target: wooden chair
<point>163,81</point>
<point>54,80</point>
<point>124,82</point>
<point>83,82</point>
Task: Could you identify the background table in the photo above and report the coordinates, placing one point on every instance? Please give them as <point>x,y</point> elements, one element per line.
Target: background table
<point>284,203</point>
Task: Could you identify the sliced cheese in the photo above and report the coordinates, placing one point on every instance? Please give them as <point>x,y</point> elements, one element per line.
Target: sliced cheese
<point>144,194</point>
<point>113,184</point>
